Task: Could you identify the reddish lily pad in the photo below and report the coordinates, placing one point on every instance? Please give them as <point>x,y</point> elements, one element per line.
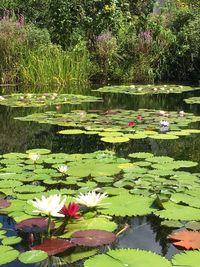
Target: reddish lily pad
<point>54,246</point>
<point>4,203</point>
<point>93,238</point>
<point>185,239</point>
<point>34,225</point>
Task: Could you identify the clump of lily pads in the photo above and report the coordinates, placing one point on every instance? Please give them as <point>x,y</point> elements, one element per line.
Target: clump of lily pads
<point>146,89</point>
<point>67,203</point>
<point>117,126</point>
<point>193,100</point>
<point>45,99</point>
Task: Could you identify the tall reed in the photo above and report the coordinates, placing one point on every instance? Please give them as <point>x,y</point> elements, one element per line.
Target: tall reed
<point>51,65</point>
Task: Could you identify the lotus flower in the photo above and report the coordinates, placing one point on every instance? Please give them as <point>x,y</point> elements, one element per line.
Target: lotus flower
<point>63,168</point>
<point>70,211</point>
<point>91,199</point>
<point>131,123</point>
<point>164,123</point>
<point>34,156</point>
<point>49,205</point>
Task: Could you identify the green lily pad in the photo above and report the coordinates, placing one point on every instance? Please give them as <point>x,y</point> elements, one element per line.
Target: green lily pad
<point>127,257</point>
<point>12,240</point>
<point>189,258</point>
<point>32,256</point>
<point>7,254</point>
<point>118,207</point>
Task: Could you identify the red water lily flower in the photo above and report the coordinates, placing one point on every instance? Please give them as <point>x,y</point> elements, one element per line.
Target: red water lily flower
<point>71,211</point>
<point>131,124</point>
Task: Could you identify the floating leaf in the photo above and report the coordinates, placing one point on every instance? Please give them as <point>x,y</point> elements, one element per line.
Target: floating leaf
<point>172,224</point>
<point>100,223</point>
<point>115,139</point>
<point>33,256</point>
<point>178,212</point>
<point>34,225</point>
<point>54,246</point>
<point>127,257</point>
<point>29,188</point>
<point>193,225</point>
<point>12,240</point>
<point>7,254</point>
<point>141,155</point>
<point>93,238</point>
<point>185,239</point>
<point>4,203</point>
<point>79,255</point>
<point>127,205</point>
<point>189,259</point>
<point>69,132</point>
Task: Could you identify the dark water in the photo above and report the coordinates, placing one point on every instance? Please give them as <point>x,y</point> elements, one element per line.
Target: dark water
<point>16,136</point>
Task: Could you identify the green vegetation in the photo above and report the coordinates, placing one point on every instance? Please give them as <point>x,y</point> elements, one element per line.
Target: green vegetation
<point>117,126</point>
<point>56,42</point>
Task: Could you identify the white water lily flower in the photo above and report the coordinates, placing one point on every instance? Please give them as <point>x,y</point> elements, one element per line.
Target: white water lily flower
<point>34,156</point>
<point>181,113</point>
<point>162,112</point>
<point>91,199</point>
<point>49,205</point>
<point>63,168</point>
<point>2,98</point>
<point>164,123</point>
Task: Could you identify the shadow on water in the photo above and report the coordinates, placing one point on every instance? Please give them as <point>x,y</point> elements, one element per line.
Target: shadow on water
<point>17,136</point>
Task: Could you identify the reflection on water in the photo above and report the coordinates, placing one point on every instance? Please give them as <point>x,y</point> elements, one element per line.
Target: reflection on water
<point>17,136</point>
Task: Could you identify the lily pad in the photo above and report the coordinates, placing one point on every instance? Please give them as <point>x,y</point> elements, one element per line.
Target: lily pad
<point>189,258</point>
<point>93,238</point>
<point>54,246</point>
<point>32,256</point>
<point>127,257</point>
<point>7,254</point>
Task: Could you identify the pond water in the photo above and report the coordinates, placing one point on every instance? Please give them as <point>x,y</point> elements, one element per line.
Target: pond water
<point>18,136</point>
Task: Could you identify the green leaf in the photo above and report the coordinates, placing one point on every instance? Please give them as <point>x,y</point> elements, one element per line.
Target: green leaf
<point>127,205</point>
<point>12,240</point>
<point>79,255</point>
<point>178,212</point>
<point>33,256</point>
<point>7,254</point>
<point>127,257</point>
<point>189,259</point>
<point>97,223</point>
